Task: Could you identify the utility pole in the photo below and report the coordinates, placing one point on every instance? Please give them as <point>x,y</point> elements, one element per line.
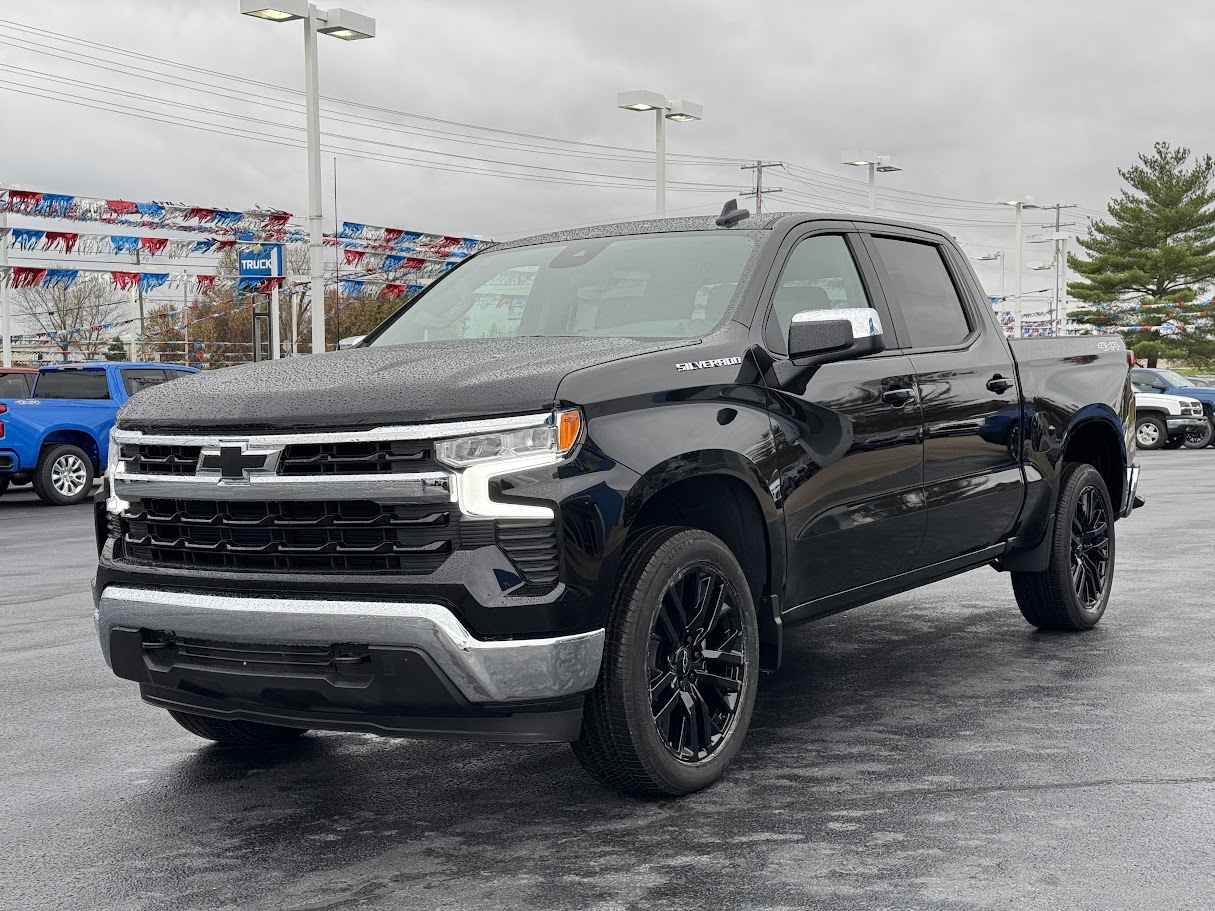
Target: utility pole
<point>6,314</point>
<point>1059,245</point>
<point>759,190</point>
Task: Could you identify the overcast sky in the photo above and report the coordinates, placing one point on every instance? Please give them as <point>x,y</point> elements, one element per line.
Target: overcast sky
<point>979,101</point>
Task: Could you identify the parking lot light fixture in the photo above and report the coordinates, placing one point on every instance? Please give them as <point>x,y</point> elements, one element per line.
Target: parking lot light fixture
<point>676,111</point>
<point>275,10</point>
<point>992,257</point>
<point>875,163</point>
<point>339,23</point>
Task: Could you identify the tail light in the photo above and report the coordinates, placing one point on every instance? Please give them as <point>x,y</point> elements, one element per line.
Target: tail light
<point>1130,358</point>
<point>3,409</point>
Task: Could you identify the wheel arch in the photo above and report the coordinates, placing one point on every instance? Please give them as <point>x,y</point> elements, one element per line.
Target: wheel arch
<point>724,494</point>
<point>75,436</point>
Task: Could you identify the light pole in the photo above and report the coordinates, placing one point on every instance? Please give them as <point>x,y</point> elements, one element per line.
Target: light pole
<point>664,110</point>
<point>875,163</point>
<point>992,257</point>
<point>1020,203</point>
<point>340,23</point>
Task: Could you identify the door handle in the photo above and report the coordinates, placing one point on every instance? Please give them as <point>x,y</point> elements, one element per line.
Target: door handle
<point>898,397</point>
<point>999,384</point>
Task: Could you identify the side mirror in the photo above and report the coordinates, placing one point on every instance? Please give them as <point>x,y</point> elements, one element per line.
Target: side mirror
<point>823,336</point>
<point>352,341</point>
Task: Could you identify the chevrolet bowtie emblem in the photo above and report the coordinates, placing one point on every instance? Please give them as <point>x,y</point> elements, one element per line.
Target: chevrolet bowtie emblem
<point>234,462</point>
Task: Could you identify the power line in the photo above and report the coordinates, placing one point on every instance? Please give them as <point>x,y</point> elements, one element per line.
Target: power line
<point>52,95</point>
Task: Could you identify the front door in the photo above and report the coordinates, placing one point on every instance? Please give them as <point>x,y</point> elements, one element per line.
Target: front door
<point>973,483</point>
<point>847,436</point>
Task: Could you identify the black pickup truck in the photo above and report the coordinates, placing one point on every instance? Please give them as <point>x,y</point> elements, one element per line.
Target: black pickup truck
<point>576,489</point>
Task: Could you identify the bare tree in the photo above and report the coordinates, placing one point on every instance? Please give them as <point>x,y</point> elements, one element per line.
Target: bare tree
<point>57,309</point>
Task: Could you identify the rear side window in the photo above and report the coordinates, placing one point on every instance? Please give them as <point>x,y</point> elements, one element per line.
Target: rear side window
<point>923,292</point>
<point>138,378</point>
<point>15,385</point>
<point>72,384</point>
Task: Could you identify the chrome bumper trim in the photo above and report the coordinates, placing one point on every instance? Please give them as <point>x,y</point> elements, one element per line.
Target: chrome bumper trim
<point>270,440</point>
<point>1132,488</point>
<point>501,671</point>
<point>433,486</point>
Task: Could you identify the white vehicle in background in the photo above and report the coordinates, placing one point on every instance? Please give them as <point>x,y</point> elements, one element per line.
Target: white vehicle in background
<point>1170,422</point>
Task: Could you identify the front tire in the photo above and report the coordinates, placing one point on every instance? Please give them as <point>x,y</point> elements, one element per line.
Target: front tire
<point>1201,437</point>
<point>64,475</point>
<point>680,667</point>
<point>236,733</point>
<point>1074,589</point>
<point>1150,432</point>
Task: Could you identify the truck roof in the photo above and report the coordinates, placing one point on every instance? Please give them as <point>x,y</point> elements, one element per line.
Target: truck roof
<point>104,365</point>
<point>766,222</point>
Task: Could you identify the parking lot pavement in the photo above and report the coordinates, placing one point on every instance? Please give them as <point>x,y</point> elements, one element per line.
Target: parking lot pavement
<point>927,751</point>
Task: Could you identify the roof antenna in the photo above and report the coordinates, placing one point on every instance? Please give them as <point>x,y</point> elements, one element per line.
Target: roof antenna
<point>731,214</point>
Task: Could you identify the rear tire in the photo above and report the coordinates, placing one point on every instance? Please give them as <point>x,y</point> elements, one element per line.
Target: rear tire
<point>680,667</point>
<point>3,485</point>
<point>236,733</point>
<point>1202,437</point>
<point>64,475</point>
<point>1074,589</point>
<point>1150,432</point>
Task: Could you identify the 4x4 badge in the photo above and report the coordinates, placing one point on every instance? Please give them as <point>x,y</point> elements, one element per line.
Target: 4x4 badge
<point>716,362</point>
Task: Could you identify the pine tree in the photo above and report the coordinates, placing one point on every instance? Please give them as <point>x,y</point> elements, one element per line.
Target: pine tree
<point>1155,254</point>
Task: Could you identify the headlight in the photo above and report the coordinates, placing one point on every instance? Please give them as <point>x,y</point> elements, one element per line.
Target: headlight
<point>485,456</point>
<point>555,438</point>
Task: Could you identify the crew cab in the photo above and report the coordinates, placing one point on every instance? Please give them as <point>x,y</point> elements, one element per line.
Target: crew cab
<point>56,433</point>
<point>578,487</point>
<point>1169,422</point>
<point>1168,382</point>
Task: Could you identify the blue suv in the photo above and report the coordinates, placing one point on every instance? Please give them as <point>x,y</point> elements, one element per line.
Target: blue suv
<point>1168,382</point>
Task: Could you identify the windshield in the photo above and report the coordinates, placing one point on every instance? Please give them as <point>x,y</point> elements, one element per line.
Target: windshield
<point>649,286</point>
<point>1175,379</point>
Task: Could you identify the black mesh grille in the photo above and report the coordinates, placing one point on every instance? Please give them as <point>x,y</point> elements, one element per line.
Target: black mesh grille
<point>172,460</point>
<point>289,536</point>
<point>378,457</point>
<point>532,547</point>
<point>346,661</point>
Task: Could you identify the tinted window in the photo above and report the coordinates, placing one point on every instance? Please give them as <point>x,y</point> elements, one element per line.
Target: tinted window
<point>923,292</point>
<point>72,384</point>
<point>141,378</point>
<point>14,385</point>
<point>1144,381</point>
<point>820,275</point>
<point>655,286</point>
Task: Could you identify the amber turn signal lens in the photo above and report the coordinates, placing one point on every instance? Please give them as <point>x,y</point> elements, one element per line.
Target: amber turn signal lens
<point>569,425</point>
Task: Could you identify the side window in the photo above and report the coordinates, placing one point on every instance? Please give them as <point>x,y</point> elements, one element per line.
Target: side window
<point>1144,381</point>
<point>923,291</point>
<point>819,275</point>
<point>141,378</point>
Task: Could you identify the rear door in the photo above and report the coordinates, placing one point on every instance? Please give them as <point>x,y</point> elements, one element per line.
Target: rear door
<point>973,483</point>
<point>847,434</point>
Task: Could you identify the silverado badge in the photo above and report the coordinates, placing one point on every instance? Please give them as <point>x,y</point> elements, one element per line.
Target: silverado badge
<point>716,362</point>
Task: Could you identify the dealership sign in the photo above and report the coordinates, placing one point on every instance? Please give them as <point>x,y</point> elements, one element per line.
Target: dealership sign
<point>262,261</point>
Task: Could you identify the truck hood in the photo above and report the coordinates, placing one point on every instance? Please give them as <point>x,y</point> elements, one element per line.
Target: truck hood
<point>369,387</point>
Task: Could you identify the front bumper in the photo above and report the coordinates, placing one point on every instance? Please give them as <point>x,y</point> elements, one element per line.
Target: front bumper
<point>1178,425</point>
<point>390,668</point>
<point>482,672</point>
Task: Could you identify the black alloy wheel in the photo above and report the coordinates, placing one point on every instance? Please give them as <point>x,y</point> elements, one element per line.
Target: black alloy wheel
<point>1073,590</point>
<point>696,665</point>
<point>1090,548</point>
<point>1201,436</point>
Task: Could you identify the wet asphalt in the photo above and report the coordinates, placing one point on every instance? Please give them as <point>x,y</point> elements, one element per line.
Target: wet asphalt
<point>928,751</point>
